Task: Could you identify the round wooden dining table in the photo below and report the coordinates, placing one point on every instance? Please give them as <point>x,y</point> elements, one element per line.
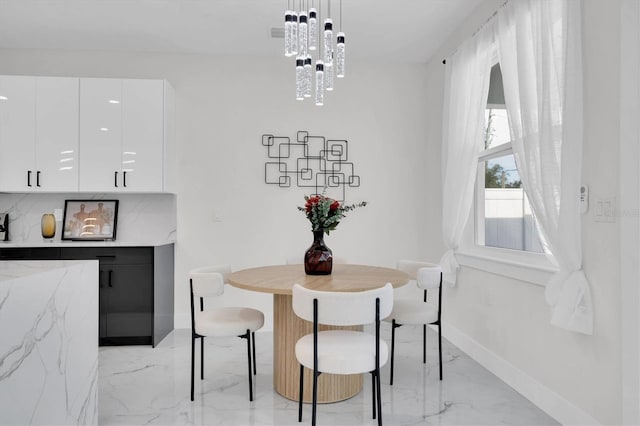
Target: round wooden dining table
<point>288,328</point>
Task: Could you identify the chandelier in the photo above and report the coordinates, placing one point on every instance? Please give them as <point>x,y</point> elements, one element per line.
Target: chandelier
<point>301,35</point>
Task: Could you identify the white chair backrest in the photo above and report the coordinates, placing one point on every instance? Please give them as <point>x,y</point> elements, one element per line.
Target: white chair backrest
<point>343,308</point>
<point>429,277</point>
<point>209,281</point>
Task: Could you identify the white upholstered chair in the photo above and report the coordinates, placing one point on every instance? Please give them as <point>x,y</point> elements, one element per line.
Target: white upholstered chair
<point>342,351</point>
<point>427,276</point>
<point>220,321</point>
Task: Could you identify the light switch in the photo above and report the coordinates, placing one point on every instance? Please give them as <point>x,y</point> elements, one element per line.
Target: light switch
<point>57,213</point>
<point>584,199</point>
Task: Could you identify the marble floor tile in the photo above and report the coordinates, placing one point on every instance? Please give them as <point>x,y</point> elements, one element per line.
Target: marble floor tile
<point>140,385</point>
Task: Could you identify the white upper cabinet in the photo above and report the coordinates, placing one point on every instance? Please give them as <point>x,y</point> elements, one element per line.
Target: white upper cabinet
<point>66,134</point>
<point>17,133</point>
<point>142,135</point>
<point>38,134</point>
<point>100,134</point>
<point>56,159</point>
<point>123,135</point>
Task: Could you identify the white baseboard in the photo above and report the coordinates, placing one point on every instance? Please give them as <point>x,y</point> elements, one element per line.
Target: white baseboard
<point>544,398</point>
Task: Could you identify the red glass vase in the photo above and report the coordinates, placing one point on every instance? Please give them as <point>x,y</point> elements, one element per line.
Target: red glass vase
<point>318,260</point>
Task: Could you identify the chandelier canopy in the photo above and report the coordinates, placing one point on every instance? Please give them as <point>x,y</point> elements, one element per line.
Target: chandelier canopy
<point>301,41</point>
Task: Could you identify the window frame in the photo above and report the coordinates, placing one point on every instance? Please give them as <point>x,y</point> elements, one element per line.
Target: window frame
<point>528,266</point>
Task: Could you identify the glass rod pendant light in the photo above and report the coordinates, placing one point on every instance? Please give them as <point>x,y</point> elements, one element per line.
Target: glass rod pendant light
<point>303,37</point>
<point>307,77</point>
<point>302,34</point>
<point>300,79</point>
<point>328,76</point>
<point>340,55</point>
<point>294,33</point>
<point>328,40</point>
<point>313,29</point>
<point>319,83</point>
<point>287,33</point>
<point>340,49</point>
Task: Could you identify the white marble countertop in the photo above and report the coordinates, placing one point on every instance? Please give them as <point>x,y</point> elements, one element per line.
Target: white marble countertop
<point>13,269</point>
<point>11,244</point>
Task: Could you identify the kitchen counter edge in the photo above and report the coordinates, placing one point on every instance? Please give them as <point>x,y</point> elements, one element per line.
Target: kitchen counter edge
<point>43,244</point>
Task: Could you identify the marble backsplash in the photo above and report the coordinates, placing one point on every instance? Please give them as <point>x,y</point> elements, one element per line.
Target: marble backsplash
<point>142,218</point>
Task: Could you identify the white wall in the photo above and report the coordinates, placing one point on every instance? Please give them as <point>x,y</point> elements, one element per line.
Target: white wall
<point>225,104</point>
<point>509,319</point>
<point>630,209</point>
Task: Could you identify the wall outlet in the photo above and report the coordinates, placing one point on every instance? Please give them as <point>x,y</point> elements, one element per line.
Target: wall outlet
<point>605,210</point>
<point>216,215</point>
<point>57,213</point>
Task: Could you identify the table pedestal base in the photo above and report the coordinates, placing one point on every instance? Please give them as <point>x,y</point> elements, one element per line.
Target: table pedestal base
<point>287,329</point>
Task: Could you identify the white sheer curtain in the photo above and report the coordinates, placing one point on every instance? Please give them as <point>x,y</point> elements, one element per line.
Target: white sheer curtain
<point>466,89</point>
<point>539,49</point>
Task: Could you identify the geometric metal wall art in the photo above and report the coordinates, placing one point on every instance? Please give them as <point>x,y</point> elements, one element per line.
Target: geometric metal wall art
<point>310,162</point>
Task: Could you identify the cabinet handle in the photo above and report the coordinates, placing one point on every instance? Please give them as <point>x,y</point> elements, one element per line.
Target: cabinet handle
<point>28,177</point>
<point>115,179</point>
<point>110,275</point>
<point>124,179</point>
<point>38,178</point>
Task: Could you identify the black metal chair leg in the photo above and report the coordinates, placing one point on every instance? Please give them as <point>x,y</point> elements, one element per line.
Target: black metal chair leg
<point>315,398</point>
<point>440,347</point>
<point>373,394</point>
<point>202,358</point>
<point>249,364</point>
<point>393,345</point>
<point>253,343</point>
<point>300,393</point>
<point>193,355</point>
<point>379,397</point>
<point>424,343</point>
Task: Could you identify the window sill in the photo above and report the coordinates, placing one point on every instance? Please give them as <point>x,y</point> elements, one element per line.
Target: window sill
<point>529,267</point>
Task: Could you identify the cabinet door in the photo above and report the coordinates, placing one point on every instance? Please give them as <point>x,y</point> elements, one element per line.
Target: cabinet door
<point>129,310</point>
<point>142,135</point>
<point>100,134</point>
<point>17,133</point>
<point>103,302</point>
<point>57,134</point>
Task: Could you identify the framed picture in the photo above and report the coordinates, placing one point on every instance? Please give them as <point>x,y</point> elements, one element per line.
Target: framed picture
<point>89,220</point>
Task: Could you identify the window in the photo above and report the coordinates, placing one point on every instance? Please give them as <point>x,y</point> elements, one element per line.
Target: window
<point>503,215</point>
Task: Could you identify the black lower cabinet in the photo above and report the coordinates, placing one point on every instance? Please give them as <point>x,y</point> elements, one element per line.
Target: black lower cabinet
<point>126,304</point>
<point>136,288</point>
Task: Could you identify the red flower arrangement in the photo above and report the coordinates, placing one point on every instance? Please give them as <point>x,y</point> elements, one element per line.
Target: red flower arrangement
<point>325,213</point>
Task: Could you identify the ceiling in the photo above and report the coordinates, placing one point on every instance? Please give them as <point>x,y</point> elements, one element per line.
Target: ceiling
<point>391,30</point>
